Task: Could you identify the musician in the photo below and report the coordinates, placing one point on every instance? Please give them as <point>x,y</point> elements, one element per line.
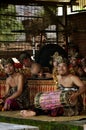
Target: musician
<point>66,81</point>
<point>25,59</point>
<point>76,65</point>
<point>36,71</point>
<point>16,95</point>
<point>70,81</point>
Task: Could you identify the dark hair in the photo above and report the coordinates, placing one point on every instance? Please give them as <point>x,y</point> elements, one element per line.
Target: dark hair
<point>6,61</point>
<point>24,55</point>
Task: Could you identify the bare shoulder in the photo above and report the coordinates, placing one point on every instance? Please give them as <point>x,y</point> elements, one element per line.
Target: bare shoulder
<point>74,77</point>
<point>76,80</point>
<point>19,74</point>
<point>7,80</point>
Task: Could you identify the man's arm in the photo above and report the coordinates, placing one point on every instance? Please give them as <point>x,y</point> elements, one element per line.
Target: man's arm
<point>20,86</point>
<point>79,83</point>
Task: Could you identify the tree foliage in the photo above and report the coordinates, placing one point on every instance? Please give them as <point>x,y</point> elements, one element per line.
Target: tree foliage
<point>8,23</point>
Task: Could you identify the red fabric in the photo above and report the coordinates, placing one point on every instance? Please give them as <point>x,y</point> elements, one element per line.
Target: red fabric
<point>18,65</point>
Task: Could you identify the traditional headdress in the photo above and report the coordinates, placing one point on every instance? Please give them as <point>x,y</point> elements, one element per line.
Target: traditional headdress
<point>6,61</point>
<point>59,58</point>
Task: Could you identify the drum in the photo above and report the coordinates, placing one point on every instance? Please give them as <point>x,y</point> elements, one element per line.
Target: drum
<point>51,100</point>
<point>37,86</point>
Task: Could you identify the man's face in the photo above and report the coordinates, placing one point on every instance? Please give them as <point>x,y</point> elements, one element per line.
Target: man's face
<point>73,62</point>
<point>62,69</point>
<point>9,69</point>
<point>35,69</point>
<point>55,63</point>
<point>27,62</point>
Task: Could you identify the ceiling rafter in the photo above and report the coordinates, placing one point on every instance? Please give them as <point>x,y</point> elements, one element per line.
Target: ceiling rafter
<point>39,2</point>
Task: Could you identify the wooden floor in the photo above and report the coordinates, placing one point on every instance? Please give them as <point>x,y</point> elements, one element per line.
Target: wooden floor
<point>45,122</point>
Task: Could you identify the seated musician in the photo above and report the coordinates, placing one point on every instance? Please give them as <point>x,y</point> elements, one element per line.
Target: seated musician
<point>66,81</point>
<point>36,71</point>
<point>31,69</point>
<point>70,81</point>
<point>77,67</point>
<point>16,95</point>
<point>26,61</point>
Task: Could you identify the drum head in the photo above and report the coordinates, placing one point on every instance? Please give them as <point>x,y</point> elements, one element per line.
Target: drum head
<point>36,100</point>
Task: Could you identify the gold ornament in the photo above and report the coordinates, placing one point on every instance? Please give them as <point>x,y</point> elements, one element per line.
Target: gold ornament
<point>55,73</point>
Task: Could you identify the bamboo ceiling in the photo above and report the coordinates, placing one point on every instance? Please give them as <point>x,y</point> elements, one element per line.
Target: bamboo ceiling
<point>80,3</point>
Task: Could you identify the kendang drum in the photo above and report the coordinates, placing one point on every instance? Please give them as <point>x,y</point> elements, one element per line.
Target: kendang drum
<point>51,100</point>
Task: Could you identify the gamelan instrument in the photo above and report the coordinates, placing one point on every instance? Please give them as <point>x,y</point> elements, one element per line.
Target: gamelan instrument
<point>51,100</point>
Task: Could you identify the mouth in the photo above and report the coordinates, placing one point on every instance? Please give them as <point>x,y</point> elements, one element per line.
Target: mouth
<point>10,73</point>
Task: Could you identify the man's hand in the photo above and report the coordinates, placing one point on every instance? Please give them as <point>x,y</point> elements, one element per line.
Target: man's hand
<point>73,98</point>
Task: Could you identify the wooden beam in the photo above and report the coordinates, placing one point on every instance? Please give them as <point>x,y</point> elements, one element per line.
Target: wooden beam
<point>38,2</point>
